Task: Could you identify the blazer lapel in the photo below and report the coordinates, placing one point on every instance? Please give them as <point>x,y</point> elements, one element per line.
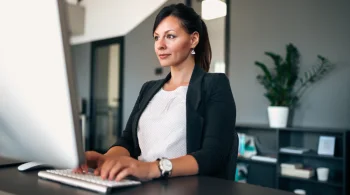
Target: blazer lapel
<point>194,92</point>
<point>194,121</point>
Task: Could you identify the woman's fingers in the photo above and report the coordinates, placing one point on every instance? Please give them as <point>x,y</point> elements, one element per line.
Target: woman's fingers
<point>118,166</point>
<point>99,165</point>
<point>97,171</point>
<point>77,170</point>
<point>84,168</point>
<point>81,169</point>
<point>106,167</point>
<point>124,173</point>
<point>92,158</point>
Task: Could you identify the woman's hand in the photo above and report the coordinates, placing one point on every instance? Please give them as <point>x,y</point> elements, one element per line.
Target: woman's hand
<point>121,167</point>
<point>93,160</point>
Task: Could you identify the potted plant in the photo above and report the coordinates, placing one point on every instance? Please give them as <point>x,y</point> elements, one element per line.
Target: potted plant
<point>283,85</point>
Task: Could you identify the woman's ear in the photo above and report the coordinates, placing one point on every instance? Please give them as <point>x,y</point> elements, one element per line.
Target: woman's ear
<point>194,39</point>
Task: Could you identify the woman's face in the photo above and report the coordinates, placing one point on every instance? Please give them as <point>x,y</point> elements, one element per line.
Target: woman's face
<point>172,43</point>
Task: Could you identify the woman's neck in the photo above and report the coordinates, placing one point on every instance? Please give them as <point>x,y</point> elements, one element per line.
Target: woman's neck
<point>181,74</point>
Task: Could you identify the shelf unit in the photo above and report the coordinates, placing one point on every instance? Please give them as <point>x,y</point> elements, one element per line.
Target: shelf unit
<point>314,180</point>
<point>276,138</point>
<point>314,155</point>
<point>248,160</point>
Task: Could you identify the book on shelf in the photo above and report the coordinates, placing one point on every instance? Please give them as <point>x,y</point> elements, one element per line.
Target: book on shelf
<point>246,146</point>
<point>296,170</point>
<point>300,173</point>
<point>241,173</point>
<point>292,165</point>
<point>264,158</point>
<point>294,150</point>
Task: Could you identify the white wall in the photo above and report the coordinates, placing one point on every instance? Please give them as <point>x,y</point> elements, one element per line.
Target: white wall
<point>72,1</point>
<point>112,18</point>
<point>216,31</point>
<point>315,27</point>
<point>113,75</point>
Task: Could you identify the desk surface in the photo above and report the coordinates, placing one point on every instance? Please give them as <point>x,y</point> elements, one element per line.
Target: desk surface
<point>15,182</point>
<point>4,162</point>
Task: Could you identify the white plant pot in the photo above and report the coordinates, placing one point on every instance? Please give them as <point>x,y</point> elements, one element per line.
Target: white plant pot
<point>278,116</point>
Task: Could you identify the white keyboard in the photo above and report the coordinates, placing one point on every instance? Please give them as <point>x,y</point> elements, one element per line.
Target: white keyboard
<point>87,180</point>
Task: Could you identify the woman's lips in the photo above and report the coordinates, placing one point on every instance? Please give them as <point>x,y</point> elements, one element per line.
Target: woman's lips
<point>163,56</point>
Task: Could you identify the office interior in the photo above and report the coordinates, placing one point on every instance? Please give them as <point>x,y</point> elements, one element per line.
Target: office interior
<point>238,38</point>
<point>113,55</point>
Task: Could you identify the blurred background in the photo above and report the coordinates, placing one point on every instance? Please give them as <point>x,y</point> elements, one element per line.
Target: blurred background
<point>113,54</point>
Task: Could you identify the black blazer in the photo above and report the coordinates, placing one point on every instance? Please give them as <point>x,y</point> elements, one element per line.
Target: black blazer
<point>210,114</point>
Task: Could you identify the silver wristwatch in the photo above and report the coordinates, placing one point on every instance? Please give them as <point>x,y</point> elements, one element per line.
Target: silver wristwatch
<point>165,167</point>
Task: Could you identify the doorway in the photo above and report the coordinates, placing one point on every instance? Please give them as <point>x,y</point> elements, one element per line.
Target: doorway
<point>106,105</point>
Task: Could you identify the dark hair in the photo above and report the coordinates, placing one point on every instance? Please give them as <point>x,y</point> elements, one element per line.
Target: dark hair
<point>192,22</point>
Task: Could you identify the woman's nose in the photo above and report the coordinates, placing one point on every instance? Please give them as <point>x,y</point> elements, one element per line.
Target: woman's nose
<point>161,44</point>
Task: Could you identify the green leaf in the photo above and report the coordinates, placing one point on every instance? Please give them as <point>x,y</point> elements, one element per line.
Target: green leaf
<point>264,69</point>
<point>321,58</point>
<point>277,59</point>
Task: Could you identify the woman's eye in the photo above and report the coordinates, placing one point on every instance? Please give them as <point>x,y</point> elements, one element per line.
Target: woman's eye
<point>155,38</point>
<point>170,36</point>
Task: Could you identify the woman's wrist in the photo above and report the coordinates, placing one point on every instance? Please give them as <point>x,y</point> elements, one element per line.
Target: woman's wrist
<point>154,170</point>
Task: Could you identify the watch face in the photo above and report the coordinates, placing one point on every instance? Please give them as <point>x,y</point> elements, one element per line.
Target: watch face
<point>166,164</point>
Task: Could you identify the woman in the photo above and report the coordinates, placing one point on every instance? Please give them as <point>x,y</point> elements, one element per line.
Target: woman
<point>183,124</point>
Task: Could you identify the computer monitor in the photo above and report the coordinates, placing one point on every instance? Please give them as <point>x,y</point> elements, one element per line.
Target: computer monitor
<point>39,118</point>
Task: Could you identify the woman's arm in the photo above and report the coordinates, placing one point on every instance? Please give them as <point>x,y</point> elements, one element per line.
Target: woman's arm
<point>219,128</point>
<point>119,168</point>
<point>184,166</point>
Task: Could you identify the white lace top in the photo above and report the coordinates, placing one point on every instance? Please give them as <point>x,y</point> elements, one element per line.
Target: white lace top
<point>162,126</point>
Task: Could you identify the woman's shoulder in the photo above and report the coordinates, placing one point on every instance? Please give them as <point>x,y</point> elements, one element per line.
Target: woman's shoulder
<point>217,86</point>
<point>215,79</point>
